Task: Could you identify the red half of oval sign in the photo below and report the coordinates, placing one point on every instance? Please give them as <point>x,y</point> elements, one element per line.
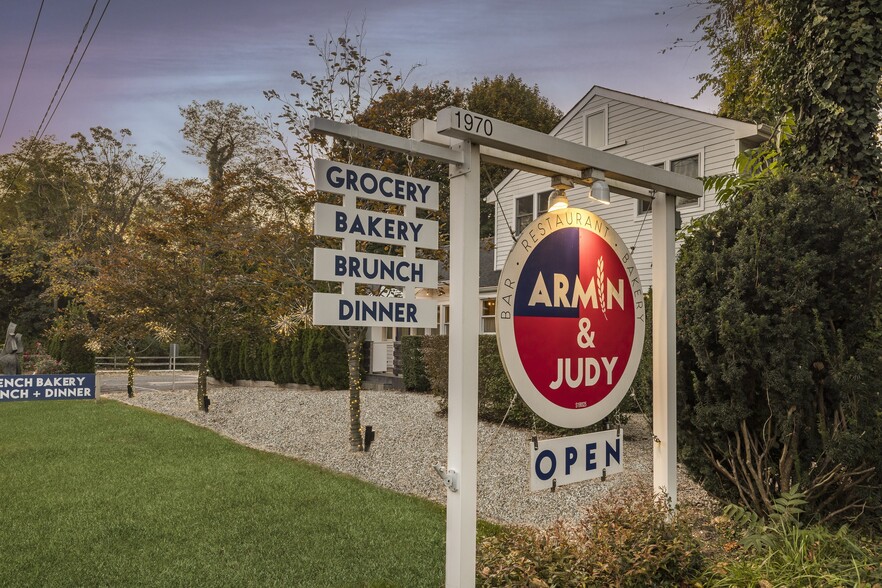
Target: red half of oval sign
<point>574,318</point>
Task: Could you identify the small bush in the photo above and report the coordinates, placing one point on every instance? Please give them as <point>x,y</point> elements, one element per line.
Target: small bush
<point>625,541</point>
<point>780,549</point>
<point>413,369</point>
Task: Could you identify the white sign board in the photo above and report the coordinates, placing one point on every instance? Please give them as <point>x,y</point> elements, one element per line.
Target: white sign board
<point>376,227</point>
<point>334,265</point>
<point>352,180</point>
<point>373,311</point>
<point>568,460</point>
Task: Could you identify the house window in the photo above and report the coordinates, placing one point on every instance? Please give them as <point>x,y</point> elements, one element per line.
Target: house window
<point>528,208</point>
<point>444,318</point>
<point>523,213</point>
<point>688,166</point>
<point>595,129</point>
<point>488,315</point>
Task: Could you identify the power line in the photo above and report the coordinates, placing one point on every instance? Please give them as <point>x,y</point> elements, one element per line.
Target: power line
<point>21,71</point>
<point>41,129</point>
<point>79,61</point>
<point>44,124</point>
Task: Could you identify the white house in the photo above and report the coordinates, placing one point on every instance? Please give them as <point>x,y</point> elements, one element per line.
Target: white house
<point>676,138</point>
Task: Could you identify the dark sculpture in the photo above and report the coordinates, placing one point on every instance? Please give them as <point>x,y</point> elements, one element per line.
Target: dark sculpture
<point>10,359</point>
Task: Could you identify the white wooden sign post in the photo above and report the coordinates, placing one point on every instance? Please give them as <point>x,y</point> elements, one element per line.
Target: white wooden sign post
<point>461,138</point>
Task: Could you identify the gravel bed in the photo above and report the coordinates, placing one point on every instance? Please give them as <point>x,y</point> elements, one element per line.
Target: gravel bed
<point>411,436</point>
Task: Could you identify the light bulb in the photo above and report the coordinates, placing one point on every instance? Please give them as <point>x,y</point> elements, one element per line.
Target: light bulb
<point>558,200</point>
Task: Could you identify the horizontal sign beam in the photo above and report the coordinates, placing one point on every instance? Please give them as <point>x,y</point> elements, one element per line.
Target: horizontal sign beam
<point>426,130</point>
<point>362,182</point>
<point>376,227</point>
<point>363,136</point>
<point>373,311</point>
<point>482,130</point>
<point>334,265</point>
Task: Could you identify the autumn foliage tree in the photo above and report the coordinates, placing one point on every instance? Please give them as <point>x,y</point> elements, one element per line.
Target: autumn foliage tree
<point>188,269</point>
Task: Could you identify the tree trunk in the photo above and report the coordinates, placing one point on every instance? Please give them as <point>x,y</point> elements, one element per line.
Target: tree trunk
<point>355,336</point>
<point>131,370</point>
<point>202,384</point>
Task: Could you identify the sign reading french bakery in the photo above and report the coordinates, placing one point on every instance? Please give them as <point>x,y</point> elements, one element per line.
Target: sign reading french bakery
<point>350,267</point>
<point>47,387</point>
<point>570,317</point>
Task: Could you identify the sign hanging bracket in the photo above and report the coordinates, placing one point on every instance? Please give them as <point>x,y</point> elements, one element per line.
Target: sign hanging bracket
<point>449,477</point>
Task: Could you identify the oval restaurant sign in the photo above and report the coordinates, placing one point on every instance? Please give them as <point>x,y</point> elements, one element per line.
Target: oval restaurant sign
<point>570,317</point>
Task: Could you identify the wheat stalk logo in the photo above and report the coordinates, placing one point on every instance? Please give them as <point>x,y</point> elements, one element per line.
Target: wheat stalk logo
<point>601,287</point>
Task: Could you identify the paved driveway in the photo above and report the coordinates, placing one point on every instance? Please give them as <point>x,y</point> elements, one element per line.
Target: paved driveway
<point>148,380</point>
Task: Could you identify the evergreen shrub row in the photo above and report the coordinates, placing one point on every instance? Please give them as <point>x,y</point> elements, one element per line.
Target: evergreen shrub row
<point>496,397</point>
<point>310,356</point>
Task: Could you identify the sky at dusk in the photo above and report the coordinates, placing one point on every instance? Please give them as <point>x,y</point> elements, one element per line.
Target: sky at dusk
<point>148,58</point>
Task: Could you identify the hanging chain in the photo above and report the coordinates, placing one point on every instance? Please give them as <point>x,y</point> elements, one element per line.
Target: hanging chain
<point>498,429</point>
<point>409,159</point>
<point>645,214</point>
<point>501,208</point>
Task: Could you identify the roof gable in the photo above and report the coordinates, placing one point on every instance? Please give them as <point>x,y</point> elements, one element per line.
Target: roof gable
<point>742,130</point>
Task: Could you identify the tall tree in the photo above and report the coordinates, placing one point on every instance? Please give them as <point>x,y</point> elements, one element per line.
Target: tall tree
<point>351,83</point>
<point>820,60</point>
<point>65,206</point>
<point>189,268</point>
<point>514,101</point>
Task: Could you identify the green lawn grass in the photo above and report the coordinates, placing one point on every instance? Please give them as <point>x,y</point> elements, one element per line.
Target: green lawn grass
<point>103,494</point>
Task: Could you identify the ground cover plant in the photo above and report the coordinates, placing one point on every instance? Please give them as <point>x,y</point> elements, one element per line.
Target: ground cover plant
<point>106,494</point>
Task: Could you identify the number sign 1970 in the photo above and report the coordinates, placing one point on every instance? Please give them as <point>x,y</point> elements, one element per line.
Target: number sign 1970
<point>473,122</point>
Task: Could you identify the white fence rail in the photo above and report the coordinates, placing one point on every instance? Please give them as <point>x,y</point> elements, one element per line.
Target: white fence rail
<point>161,362</point>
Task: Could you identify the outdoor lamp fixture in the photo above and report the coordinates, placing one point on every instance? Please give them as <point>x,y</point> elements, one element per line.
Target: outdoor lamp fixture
<point>599,188</point>
<point>558,199</point>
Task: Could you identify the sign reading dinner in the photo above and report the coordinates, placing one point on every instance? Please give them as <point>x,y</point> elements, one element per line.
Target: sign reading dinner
<point>47,387</point>
<point>349,266</point>
<point>570,283</point>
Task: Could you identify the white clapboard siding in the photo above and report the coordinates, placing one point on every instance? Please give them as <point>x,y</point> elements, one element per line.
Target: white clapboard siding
<point>643,130</point>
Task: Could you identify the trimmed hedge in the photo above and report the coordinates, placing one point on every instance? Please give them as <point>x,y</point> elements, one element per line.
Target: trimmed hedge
<point>495,393</point>
<point>311,356</point>
<point>413,369</point>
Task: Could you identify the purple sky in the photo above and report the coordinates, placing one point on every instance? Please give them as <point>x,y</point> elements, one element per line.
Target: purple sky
<point>150,57</point>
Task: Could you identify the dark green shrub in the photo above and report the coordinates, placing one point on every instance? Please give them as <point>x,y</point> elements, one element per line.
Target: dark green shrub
<point>413,369</point>
<point>434,350</point>
<point>309,356</point>
<point>246,360</point>
<point>496,397</point>
<point>297,357</point>
<point>280,361</point>
<point>627,540</point>
<point>215,362</point>
<point>329,369</point>
<point>74,354</point>
<point>779,315</point>
<point>231,361</point>
<point>266,361</point>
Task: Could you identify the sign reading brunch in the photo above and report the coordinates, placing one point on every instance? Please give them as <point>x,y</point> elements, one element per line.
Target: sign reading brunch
<point>570,317</point>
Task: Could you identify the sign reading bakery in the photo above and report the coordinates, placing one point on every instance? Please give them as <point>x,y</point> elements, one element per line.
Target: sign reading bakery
<point>570,317</point>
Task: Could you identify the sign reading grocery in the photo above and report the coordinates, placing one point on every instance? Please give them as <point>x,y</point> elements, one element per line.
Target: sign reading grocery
<point>403,273</point>
<point>570,317</point>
